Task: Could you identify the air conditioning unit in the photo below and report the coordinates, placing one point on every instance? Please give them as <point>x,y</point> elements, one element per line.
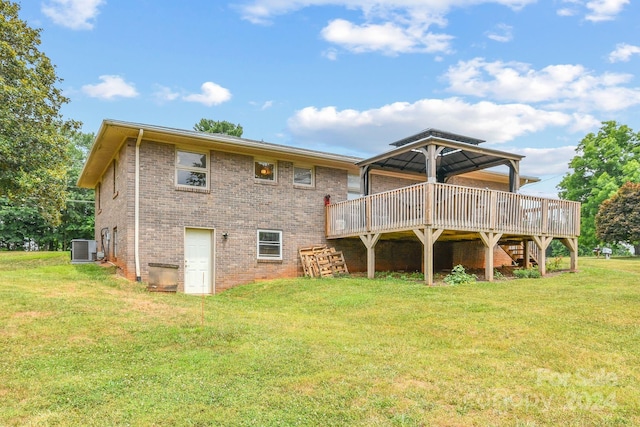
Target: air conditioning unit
<point>83,251</point>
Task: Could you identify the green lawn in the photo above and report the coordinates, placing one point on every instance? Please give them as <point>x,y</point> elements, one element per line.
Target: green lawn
<point>80,346</point>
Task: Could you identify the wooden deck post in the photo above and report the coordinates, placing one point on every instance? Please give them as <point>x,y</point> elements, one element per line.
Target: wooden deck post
<point>490,241</point>
<point>428,237</point>
<point>572,245</point>
<point>543,243</point>
<point>514,176</point>
<point>370,241</point>
<point>431,153</point>
<point>526,254</point>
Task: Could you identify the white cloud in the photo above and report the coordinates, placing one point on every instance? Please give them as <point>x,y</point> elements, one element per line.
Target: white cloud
<point>263,106</point>
<point>369,132</point>
<point>111,87</point>
<point>164,94</point>
<point>74,14</point>
<point>604,10</point>
<point>389,38</point>
<point>596,10</point>
<point>331,54</point>
<point>545,161</point>
<point>212,94</point>
<point>388,26</point>
<point>623,52</point>
<point>566,11</point>
<point>262,11</point>
<point>501,33</point>
<point>559,86</point>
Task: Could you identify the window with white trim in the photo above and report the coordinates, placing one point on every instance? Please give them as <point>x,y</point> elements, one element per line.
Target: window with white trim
<point>353,186</point>
<point>265,170</point>
<point>191,169</point>
<point>303,176</point>
<point>270,244</point>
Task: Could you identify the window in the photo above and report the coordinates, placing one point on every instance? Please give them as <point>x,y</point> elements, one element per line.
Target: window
<point>265,170</point>
<point>270,244</point>
<point>191,169</point>
<point>303,176</point>
<point>353,187</point>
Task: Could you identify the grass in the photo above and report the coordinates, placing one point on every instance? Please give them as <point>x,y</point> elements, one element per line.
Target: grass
<point>83,347</point>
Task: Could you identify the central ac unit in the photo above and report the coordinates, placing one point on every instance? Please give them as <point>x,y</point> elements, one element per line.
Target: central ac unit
<point>83,251</point>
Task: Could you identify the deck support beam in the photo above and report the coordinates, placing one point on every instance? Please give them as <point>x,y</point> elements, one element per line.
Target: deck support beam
<point>370,241</point>
<point>572,245</point>
<point>526,254</point>
<point>428,237</point>
<point>543,243</point>
<point>490,241</point>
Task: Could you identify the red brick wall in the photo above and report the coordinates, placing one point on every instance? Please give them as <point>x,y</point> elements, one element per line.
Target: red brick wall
<point>235,204</point>
<point>468,182</point>
<point>470,254</point>
<point>391,255</point>
<point>116,209</point>
<point>382,183</point>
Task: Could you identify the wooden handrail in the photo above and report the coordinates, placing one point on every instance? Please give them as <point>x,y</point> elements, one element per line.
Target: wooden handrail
<point>453,207</point>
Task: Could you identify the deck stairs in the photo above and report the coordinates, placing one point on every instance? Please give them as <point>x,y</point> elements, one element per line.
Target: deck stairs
<point>516,251</point>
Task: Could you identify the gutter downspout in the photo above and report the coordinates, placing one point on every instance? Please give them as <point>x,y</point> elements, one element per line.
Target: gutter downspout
<point>136,239</point>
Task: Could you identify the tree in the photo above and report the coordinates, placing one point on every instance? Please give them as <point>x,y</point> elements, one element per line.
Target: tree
<point>78,214</point>
<point>604,161</point>
<point>33,146</point>
<point>618,219</point>
<point>22,225</point>
<point>212,126</point>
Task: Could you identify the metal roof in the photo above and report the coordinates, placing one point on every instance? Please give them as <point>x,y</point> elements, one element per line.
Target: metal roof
<point>457,154</point>
<point>430,132</point>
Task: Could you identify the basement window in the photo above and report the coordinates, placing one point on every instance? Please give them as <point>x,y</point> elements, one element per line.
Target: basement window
<point>269,244</point>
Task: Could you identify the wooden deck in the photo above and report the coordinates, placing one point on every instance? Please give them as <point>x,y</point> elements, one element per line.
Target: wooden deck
<point>441,211</point>
<point>452,207</point>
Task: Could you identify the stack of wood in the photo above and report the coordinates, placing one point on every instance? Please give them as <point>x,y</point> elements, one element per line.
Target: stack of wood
<point>321,261</point>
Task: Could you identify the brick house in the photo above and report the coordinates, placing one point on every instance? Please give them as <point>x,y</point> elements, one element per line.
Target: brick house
<point>221,211</point>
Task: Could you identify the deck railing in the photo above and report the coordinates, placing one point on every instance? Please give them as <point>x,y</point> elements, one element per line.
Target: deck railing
<point>453,207</point>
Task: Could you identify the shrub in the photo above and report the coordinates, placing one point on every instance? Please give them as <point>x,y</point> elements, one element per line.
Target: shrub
<point>527,273</point>
<point>459,276</point>
<point>555,264</point>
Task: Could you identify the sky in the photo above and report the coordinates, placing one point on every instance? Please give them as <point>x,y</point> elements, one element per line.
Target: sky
<point>351,77</point>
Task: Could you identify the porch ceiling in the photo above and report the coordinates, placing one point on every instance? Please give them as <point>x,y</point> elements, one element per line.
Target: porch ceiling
<point>459,154</point>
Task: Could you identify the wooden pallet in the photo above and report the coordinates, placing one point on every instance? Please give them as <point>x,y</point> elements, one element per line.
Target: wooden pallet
<point>321,261</point>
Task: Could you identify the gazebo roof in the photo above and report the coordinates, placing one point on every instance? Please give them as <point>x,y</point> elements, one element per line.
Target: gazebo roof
<point>456,154</point>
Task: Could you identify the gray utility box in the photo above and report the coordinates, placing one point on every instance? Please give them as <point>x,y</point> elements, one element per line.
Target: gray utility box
<point>83,250</point>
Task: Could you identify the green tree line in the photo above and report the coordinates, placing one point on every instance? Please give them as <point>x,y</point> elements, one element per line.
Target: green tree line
<point>24,226</point>
<point>603,163</point>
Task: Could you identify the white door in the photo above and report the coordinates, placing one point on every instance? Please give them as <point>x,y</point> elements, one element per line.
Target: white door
<point>197,261</point>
